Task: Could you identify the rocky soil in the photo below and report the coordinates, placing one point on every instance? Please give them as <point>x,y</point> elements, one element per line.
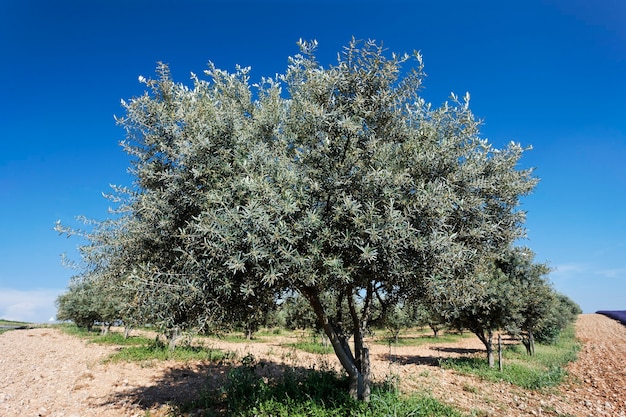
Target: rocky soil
<point>45,372</point>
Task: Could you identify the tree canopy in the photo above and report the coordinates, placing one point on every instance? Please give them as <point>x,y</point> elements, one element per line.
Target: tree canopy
<point>341,184</point>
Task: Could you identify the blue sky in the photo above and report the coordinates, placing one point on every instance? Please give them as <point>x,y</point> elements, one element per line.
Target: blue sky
<point>550,74</point>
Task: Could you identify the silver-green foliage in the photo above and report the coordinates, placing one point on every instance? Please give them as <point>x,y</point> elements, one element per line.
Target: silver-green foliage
<point>338,180</point>
<point>507,291</point>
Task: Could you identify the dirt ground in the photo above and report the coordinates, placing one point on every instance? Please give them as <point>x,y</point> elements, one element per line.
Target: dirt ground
<point>48,373</point>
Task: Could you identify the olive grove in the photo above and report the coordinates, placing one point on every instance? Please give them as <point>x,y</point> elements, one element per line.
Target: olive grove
<point>340,184</point>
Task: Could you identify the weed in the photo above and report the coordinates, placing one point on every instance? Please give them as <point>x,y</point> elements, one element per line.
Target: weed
<point>144,350</point>
<point>469,388</point>
<point>154,350</point>
<point>422,339</point>
<point>310,347</point>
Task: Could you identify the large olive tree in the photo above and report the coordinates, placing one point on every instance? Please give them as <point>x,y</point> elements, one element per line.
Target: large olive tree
<point>339,183</point>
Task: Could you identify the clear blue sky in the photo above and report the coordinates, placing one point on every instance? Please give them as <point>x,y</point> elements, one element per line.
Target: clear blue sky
<point>551,74</point>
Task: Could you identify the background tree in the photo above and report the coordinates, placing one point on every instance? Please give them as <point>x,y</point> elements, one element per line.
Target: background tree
<point>78,305</point>
<point>94,294</point>
<point>298,313</point>
<point>426,315</point>
<point>535,298</point>
<point>401,317</point>
<point>482,303</point>
<point>351,189</point>
<point>563,312</point>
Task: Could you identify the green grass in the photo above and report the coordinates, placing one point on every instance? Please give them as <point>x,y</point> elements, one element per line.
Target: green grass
<point>545,369</point>
<point>156,351</point>
<point>13,323</point>
<point>270,332</point>
<point>236,337</point>
<point>310,347</point>
<point>143,349</point>
<point>74,330</point>
<point>111,338</point>
<point>422,339</point>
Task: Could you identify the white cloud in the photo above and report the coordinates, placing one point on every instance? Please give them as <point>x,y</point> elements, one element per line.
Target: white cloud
<point>36,306</point>
<point>592,286</point>
<point>613,273</point>
<point>568,270</point>
<point>573,270</point>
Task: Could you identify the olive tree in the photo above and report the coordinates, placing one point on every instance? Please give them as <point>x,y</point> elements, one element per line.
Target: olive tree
<point>340,184</point>
<point>77,304</point>
<point>507,292</point>
<point>94,288</point>
<point>482,302</point>
<point>534,296</point>
<point>561,314</point>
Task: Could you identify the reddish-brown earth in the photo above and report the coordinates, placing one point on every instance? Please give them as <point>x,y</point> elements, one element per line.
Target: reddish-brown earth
<point>44,372</point>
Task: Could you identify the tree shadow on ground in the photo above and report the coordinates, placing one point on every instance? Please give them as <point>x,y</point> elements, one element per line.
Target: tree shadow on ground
<point>410,359</point>
<point>429,360</point>
<point>460,351</point>
<point>177,385</point>
<point>198,385</point>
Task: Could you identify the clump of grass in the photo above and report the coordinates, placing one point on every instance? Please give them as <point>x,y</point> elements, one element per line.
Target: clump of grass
<point>233,337</point>
<point>96,336</point>
<point>115,338</point>
<point>13,325</point>
<point>4,322</point>
<point>310,347</point>
<point>143,349</point>
<point>269,332</point>
<point>545,369</point>
<point>74,330</point>
<point>422,339</point>
<point>156,351</point>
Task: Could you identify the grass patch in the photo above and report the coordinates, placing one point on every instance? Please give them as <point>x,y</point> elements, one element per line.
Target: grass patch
<point>143,349</point>
<point>157,351</point>
<point>13,323</point>
<point>545,369</point>
<point>235,338</point>
<point>74,330</point>
<point>422,339</point>
<point>276,331</point>
<point>310,347</point>
<point>313,393</point>
<point>111,338</point>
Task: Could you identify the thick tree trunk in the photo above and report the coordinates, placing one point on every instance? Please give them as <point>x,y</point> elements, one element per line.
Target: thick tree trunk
<point>361,352</point>
<point>104,328</point>
<point>359,384</point>
<point>529,343</point>
<point>487,340</point>
<point>435,330</point>
<point>172,336</point>
<point>362,389</point>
